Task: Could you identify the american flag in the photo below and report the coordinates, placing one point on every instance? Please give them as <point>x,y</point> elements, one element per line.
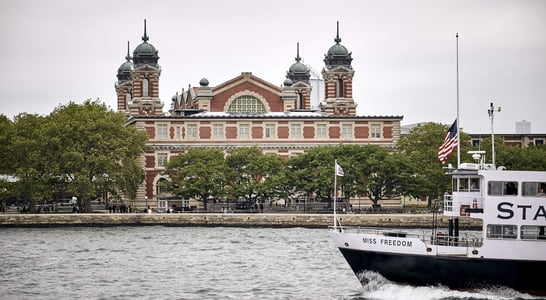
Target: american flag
<point>450,143</point>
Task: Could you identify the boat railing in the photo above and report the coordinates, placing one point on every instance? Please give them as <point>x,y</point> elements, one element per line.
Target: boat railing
<point>457,241</point>
<point>448,202</point>
<point>440,238</point>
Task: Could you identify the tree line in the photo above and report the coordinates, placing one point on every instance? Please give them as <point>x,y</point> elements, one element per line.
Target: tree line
<point>411,169</point>
<point>87,150</point>
<point>82,149</point>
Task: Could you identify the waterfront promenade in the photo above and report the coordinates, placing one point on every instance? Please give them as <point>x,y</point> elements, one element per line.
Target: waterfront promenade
<point>235,220</point>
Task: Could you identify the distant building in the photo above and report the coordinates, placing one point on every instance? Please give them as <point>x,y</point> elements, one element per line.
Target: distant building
<point>521,139</point>
<point>245,111</point>
<point>523,127</point>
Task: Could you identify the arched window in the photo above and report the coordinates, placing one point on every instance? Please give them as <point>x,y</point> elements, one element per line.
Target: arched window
<point>339,88</point>
<point>246,104</point>
<point>145,88</point>
<point>161,186</point>
<point>299,104</point>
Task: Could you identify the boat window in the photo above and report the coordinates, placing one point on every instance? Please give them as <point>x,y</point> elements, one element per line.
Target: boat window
<point>533,232</point>
<point>533,189</point>
<point>501,231</point>
<point>463,184</point>
<point>474,184</point>
<point>502,188</point>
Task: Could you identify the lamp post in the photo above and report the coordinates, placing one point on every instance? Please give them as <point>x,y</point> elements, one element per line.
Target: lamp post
<point>4,200</point>
<point>146,199</point>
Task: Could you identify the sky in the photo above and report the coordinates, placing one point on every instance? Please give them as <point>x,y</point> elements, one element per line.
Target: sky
<point>404,52</point>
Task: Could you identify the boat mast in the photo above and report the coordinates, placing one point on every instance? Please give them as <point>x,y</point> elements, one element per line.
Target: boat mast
<point>335,193</point>
<point>491,112</point>
<point>458,119</point>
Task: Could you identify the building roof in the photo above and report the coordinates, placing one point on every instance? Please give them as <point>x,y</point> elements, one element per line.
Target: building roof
<point>303,115</point>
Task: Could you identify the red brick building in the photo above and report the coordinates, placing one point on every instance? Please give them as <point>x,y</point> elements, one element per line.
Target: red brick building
<point>244,111</point>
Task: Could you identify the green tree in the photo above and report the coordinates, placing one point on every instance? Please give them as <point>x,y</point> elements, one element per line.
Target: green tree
<point>500,148</point>
<point>250,173</point>
<point>199,173</point>
<point>280,185</point>
<point>312,173</point>
<point>535,158</point>
<point>420,147</point>
<point>514,157</point>
<point>389,175</point>
<point>6,134</point>
<point>30,159</point>
<point>130,179</point>
<point>93,151</point>
<point>352,159</point>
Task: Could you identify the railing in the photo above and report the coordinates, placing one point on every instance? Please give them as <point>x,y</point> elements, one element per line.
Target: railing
<point>448,202</point>
<point>460,241</point>
<point>464,240</point>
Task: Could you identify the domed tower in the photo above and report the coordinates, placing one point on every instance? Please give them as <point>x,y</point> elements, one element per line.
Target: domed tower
<point>299,75</point>
<point>338,80</point>
<point>145,53</point>
<point>145,78</point>
<point>124,85</point>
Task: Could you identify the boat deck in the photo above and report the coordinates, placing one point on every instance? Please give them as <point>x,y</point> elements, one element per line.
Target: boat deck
<point>438,238</point>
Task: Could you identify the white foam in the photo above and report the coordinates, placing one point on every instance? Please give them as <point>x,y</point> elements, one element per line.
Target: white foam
<point>377,287</point>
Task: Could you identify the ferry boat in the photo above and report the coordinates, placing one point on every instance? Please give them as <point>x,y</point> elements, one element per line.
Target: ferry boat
<point>510,250</point>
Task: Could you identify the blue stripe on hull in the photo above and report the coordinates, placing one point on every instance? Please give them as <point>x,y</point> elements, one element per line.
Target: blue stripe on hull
<point>451,271</point>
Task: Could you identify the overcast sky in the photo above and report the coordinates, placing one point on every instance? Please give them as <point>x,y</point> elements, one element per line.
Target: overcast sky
<point>404,52</point>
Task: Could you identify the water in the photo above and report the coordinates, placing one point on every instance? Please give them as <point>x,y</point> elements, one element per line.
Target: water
<point>192,263</point>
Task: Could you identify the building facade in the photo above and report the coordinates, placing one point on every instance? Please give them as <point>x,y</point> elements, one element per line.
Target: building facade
<point>522,140</point>
<point>244,111</point>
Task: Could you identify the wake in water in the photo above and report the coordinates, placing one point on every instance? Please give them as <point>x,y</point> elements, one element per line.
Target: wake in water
<point>378,287</point>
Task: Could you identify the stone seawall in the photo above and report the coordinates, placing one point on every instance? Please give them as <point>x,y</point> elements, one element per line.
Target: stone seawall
<point>239,220</point>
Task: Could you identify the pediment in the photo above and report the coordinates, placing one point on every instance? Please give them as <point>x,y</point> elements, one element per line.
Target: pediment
<point>338,69</point>
<point>301,84</point>
<point>246,78</point>
<point>146,68</point>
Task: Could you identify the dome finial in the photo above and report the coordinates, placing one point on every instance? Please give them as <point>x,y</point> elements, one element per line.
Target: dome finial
<point>145,37</point>
<point>337,39</point>
<point>128,56</point>
<point>298,58</point>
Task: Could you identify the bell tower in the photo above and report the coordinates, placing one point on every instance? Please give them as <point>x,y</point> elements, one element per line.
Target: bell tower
<point>299,74</point>
<point>124,85</point>
<point>338,80</point>
<point>145,80</point>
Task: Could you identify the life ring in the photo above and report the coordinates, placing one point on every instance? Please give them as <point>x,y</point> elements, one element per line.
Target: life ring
<point>474,203</point>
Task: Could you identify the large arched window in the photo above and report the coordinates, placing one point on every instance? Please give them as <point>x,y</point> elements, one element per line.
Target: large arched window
<point>145,88</point>
<point>246,104</point>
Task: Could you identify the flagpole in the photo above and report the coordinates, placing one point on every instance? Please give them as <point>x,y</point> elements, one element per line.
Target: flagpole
<point>458,118</point>
<point>335,193</point>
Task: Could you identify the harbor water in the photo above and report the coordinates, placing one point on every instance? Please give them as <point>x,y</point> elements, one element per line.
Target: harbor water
<point>158,262</point>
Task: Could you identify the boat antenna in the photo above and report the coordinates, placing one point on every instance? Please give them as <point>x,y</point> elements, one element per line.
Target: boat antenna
<point>335,193</point>
<point>491,112</point>
<point>458,118</point>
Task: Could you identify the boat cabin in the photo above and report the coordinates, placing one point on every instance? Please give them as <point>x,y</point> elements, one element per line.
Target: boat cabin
<point>512,204</point>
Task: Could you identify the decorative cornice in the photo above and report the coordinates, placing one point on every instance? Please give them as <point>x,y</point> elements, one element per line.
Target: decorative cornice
<point>230,117</point>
